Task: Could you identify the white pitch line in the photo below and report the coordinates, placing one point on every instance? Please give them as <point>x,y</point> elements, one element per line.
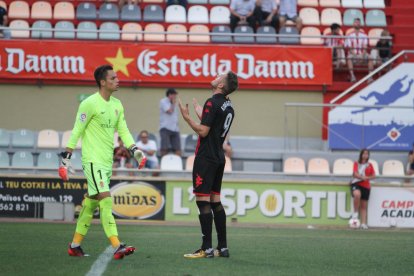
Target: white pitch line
<point>99,266</point>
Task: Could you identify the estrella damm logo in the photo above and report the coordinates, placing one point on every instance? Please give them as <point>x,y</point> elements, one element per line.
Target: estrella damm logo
<point>137,200</point>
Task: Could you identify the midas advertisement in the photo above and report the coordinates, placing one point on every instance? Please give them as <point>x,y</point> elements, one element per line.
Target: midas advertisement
<point>19,197</point>
<point>165,63</point>
<point>267,203</point>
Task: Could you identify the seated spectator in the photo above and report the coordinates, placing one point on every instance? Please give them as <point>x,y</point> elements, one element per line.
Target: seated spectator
<point>242,12</point>
<point>337,45</point>
<point>228,151</point>
<point>357,42</point>
<point>183,3</point>
<point>122,3</point>
<point>265,13</point>
<point>288,10</point>
<point>382,51</point>
<point>149,147</point>
<point>122,157</point>
<point>4,32</point>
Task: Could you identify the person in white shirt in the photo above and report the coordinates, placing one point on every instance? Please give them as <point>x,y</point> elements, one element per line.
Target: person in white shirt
<point>288,10</point>
<point>242,12</point>
<point>169,129</point>
<point>357,45</point>
<point>149,147</point>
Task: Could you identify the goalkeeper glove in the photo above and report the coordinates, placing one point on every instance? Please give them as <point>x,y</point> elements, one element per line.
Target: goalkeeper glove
<point>65,165</point>
<point>139,156</point>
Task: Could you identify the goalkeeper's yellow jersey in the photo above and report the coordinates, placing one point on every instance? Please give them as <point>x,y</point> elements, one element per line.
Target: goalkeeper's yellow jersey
<point>96,123</point>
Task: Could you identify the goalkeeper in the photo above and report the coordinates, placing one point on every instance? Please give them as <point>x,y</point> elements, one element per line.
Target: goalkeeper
<point>98,117</point>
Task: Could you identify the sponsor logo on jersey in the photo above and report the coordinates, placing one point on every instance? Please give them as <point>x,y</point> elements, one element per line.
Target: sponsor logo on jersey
<point>138,200</point>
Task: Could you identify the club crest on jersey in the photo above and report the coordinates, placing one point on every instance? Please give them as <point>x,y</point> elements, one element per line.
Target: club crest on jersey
<point>82,117</point>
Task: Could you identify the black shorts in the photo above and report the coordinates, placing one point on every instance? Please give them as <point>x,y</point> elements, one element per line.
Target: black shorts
<point>364,191</point>
<point>207,177</point>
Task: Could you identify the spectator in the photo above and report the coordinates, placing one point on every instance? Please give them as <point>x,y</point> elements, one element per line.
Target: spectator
<point>360,186</point>
<point>382,51</point>
<point>228,151</point>
<point>242,12</point>
<point>337,45</point>
<point>357,43</point>
<point>265,13</point>
<point>410,165</point>
<point>122,3</point>
<point>183,3</point>
<point>122,156</point>
<point>149,147</point>
<point>169,130</point>
<point>288,10</point>
<point>4,32</point>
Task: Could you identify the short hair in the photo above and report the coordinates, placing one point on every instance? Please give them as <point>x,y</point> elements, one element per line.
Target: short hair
<point>357,19</point>
<point>231,83</point>
<point>101,72</point>
<point>143,132</point>
<point>170,91</point>
<point>335,26</point>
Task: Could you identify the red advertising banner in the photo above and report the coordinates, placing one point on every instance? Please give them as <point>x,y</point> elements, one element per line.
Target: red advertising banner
<point>165,63</point>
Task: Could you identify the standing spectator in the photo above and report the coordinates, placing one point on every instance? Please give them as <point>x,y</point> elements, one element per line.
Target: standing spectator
<point>169,130</point>
<point>149,148</point>
<point>337,45</point>
<point>382,51</point>
<point>288,10</point>
<point>4,32</point>
<point>360,186</point>
<point>265,13</point>
<point>357,43</point>
<point>122,156</point>
<point>242,12</point>
<point>216,118</point>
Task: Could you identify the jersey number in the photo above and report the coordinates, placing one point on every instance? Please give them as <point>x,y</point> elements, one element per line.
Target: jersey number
<point>227,124</point>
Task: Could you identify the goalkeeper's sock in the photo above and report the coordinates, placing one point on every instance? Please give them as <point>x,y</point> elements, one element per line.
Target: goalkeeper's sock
<point>108,221</point>
<point>206,222</point>
<point>114,242</point>
<point>84,219</point>
<point>220,223</point>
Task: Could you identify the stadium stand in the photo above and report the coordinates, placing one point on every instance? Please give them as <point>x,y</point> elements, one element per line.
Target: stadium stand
<point>257,166</point>
<point>374,164</point>
<point>19,29</point>
<point>64,30</point>
<point>4,138</point>
<point>23,138</point>
<point>375,18</point>
<point>266,30</point>
<point>374,4</point>
<point>318,166</point>
<point>127,30</point>
<point>108,11</point>
<point>23,159</point>
<point>221,38</point>
<point>309,16</point>
<point>175,14</point>
<point>198,14</point>
<point>41,10</point>
<point>350,15</point>
<point>64,11</point>
<point>374,35</point>
<point>171,162</point>
<point>308,3</point>
<point>311,36</point>
<point>393,168</point>
<point>153,13</point>
<point>65,139</point>
<point>330,16</point>
<point>219,15</point>
<point>48,160</point>
<point>4,161</point>
<point>219,2</point>
<point>86,11</point>
<point>290,31</point>
<point>87,30</point>
<point>199,33</point>
<point>294,165</point>
<point>247,33</point>
<point>131,13</point>
<point>48,139</point>
<point>175,33</point>
<point>330,3</point>
<point>151,31</point>
<point>109,31</point>
<point>343,166</point>
<point>42,29</point>
<point>19,9</point>
<point>352,3</point>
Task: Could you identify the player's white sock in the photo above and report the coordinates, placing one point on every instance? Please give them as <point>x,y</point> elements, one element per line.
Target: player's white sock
<point>354,215</point>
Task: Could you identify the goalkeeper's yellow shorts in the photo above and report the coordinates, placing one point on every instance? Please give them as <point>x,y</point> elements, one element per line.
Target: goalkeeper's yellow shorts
<point>98,178</point>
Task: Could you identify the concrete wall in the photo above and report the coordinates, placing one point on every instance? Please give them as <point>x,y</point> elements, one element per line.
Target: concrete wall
<point>258,113</point>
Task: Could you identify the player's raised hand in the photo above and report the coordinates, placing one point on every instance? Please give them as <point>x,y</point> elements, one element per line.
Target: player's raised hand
<point>65,166</point>
<point>184,110</point>
<point>139,156</point>
<point>197,108</point>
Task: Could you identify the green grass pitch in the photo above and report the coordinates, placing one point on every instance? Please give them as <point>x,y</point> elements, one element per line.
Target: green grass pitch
<point>40,249</point>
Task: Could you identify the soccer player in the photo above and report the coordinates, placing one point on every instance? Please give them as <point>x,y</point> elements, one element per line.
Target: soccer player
<point>216,118</point>
<point>98,117</point>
